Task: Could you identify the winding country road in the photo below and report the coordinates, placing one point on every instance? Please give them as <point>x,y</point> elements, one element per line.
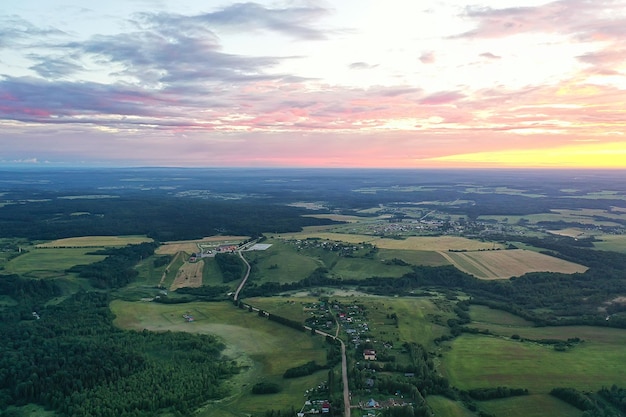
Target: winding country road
<point>245,277</point>
<point>344,361</point>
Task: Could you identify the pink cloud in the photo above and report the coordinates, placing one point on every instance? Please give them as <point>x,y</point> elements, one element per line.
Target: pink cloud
<point>443,97</point>
<point>489,55</point>
<point>581,19</point>
<point>427,57</point>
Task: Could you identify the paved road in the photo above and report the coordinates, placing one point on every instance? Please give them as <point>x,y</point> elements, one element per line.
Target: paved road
<point>245,278</point>
<point>344,375</point>
<point>344,371</point>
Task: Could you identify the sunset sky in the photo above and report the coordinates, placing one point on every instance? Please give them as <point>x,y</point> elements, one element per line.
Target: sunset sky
<point>346,83</point>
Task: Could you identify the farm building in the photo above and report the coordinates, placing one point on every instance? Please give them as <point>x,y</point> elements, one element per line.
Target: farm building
<point>226,248</point>
<point>369,355</point>
<point>325,407</point>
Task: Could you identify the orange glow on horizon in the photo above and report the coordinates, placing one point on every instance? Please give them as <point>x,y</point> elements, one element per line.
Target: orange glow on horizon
<point>604,156</point>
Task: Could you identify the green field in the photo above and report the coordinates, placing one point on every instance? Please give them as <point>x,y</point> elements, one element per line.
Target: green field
<point>477,361</point>
<point>50,263</point>
<point>420,320</point>
<point>95,241</point>
<point>530,406</point>
<point>294,308</point>
<point>413,257</point>
<point>360,268</point>
<point>584,216</point>
<point>264,348</point>
<point>489,316</point>
<point>443,406</point>
<point>615,243</point>
<point>211,274</point>
<point>281,263</point>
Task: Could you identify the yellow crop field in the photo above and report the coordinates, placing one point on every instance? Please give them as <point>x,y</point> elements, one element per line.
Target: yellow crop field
<point>95,241</point>
<point>436,243</point>
<point>188,275</point>
<point>571,232</point>
<point>509,263</point>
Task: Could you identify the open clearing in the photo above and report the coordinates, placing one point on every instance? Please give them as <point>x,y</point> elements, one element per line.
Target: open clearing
<point>265,349</point>
<point>509,263</point>
<point>50,263</point>
<point>94,241</point>
<point>192,246</point>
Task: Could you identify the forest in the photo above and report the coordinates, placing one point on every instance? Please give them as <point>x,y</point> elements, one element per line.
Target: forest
<point>73,360</point>
<point>156,217</point>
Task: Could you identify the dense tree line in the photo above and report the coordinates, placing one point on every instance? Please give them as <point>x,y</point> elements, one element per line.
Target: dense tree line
<point>162,218</point>
<point>308,368</point>
<point>615,395</point>
<point>265,388</point>
<point>32,291</point>
<point>160,261</point>
<point>294,324</point>
<point>485,394</point>
<point>574,397</point>
<point>117,269</point>
<point>231,266</point>
<point>592,404</point>
<point>206,292</point>
<point>406,411</point>
<point>74,361</point>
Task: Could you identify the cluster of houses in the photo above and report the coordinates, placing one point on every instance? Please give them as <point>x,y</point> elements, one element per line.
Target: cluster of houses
<point>195,257</point>
<point>314,407</point>
<point>342,248</point>
<point>355,325</point>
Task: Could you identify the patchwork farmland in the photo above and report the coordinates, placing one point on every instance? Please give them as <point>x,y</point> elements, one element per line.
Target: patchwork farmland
<point>509,263</point>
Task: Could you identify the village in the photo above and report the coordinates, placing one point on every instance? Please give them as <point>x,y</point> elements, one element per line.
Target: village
<point>369,355</point>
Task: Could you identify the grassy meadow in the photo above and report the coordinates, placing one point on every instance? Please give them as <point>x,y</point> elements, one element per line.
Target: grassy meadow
<point>211,274</point>
<point>50,263</point>
<point>294,308</point>
<point>615,243</point>
<point>95,241</point>
<point>476,361</point>
<point>281,263</point>
<point>358,268</point>
<point>536,405</point>
<point>413,257</point>
<point>420,320</point>
<point>443,406</point>
<point>265,349</point>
